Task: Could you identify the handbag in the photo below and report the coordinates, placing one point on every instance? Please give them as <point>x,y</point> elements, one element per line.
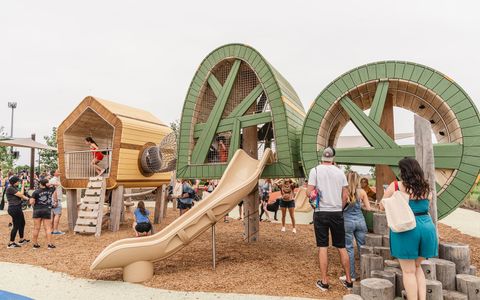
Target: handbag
<point>177,190</point>
<point>400,217</point>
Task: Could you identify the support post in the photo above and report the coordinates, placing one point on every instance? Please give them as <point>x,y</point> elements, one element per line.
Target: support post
<point>72,209</point>
<point>424,155</point>
<point>252,201</point>
<point>384,175</point>
<point>32,164</point>
<point>214,249</point>
<point>159,205</point>
<point>116,207</point>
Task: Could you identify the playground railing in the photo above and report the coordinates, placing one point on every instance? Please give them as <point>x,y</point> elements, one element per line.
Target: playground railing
<point>78,164</point>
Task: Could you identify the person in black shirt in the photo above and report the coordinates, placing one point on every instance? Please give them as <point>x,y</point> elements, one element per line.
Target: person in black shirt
<point>42,212</point>
<point>15,198</point>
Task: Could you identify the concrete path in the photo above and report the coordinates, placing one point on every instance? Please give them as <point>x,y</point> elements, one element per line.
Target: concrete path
<point>39,283</point>
<point>465,220</point>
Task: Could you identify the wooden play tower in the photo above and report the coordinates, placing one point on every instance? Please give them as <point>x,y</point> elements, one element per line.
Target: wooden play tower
<point>122,133</point>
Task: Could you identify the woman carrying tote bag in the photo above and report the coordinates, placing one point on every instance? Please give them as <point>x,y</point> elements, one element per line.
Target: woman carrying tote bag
<point>411,247</point>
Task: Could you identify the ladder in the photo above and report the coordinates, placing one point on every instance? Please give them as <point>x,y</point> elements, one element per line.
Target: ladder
<point>90,212</point>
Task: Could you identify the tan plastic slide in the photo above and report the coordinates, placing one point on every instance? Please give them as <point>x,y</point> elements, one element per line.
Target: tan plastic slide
<point>136,255</point>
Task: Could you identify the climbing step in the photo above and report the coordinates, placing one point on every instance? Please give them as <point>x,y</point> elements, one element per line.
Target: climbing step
<point>90,211</point>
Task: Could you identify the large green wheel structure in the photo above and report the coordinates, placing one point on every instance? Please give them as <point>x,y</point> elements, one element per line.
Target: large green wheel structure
<point>417,88</point>
<point>236,88</point>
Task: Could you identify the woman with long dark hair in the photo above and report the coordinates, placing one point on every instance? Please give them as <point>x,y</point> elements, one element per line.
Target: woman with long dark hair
<point>97,155</point>
<point>15,197</point>
<point>413,246</point>
<point>142,225</point>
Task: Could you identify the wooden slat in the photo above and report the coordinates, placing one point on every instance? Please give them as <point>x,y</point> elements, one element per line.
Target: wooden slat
<point>85,229</point>
<point>378,103</point>
<point>88,207</point>
<point>215,85</point>
<point>88,214</point>
<point>84,221</point>
<point>94,185</point>
<point>91,200</point>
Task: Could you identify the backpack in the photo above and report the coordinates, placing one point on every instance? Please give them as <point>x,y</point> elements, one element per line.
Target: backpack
<point>400,217</point>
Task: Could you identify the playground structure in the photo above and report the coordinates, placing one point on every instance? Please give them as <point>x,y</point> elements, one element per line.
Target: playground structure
<point>237,100</point>
<point>123,135</point>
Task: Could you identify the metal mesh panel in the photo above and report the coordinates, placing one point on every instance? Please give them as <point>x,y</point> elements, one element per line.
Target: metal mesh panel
<point>245,81</point>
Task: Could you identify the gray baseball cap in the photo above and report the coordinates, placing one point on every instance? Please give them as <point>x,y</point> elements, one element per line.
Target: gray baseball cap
<point>328,154</point>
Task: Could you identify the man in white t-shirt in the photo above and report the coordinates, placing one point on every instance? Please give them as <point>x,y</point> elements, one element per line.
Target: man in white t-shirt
<point>57,202</point>
<point>330,185</point>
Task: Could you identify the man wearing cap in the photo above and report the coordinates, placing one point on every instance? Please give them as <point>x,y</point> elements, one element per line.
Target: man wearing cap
<point>329,184</point>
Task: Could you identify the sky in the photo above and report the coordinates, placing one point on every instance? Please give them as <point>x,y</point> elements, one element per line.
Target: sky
<point>145,53</point>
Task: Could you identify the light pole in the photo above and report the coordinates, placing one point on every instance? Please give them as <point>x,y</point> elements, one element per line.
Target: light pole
<point>12,105</point>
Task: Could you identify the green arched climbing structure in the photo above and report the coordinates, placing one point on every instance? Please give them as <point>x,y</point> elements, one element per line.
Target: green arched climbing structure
<point>236,88</point>
<point>414,87</point>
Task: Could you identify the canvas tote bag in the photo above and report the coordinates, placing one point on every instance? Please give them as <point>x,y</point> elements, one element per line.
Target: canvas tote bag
<point>177,190</point>
<point>400,216</point>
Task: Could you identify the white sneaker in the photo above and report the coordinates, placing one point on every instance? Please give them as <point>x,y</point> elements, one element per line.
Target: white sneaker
<point>344,278</point>
<point>294,230</point>
<point>283,229</point>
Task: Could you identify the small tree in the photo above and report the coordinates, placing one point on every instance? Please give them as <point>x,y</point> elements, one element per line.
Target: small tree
<point>6,157</point>
<point>49,158</point>
<point>175,126</point>
<point>373,172</point>
<point>347,168</point>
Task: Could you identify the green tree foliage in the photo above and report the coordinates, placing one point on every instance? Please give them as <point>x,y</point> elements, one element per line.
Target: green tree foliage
<point>6,158</point>
<point>347,168</point>
<point>175,126</point>
<point>49,158</point>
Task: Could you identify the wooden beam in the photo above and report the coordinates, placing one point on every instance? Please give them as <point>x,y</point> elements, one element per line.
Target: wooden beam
<point>425,156</point>
<point>384,174</point>
<point>252,201</point>
<point>214,84</point>
<point>116,207</point>
<point>447,156</point>
<point>227,123</point>
<point>72,209</point>
<point>159,205</point>
<point>376,110</point>
<point>372,132</point>
<point>200,151</point>
<point>246,103</point>
<point>235,141</point>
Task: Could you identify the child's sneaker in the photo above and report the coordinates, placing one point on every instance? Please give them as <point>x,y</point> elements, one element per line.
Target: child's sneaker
<point>51,246</point>
<point>346,284</point>
<point>58,232</point>
<point>323,286</point>
<point>283,229</point>
<point>36,246</point>
<point>23,241</point>
<point>294,230</point>
<point>13,245</point>
<point>344,278</point>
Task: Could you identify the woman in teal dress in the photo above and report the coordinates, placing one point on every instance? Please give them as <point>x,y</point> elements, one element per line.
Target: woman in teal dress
<point>413,246</point>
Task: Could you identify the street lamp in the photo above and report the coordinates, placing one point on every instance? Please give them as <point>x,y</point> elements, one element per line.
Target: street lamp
<point>12,105</point>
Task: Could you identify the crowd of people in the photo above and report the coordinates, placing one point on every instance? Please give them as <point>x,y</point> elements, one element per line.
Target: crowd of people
<point>336,198</point>
<point>45,200</point>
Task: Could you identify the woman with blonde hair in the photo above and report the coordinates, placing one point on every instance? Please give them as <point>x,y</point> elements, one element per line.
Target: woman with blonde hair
<point>354,222</point>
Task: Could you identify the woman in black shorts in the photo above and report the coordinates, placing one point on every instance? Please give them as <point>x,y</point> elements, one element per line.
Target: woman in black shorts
<point>287,201</point>
<point>42,212</point>
<point>15,198</point>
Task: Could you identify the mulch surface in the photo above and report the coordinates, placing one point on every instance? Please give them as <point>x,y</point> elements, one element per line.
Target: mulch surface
<point>280,263</point>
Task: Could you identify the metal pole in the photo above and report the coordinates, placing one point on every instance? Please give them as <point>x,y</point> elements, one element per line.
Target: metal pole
<point>213,248</point>
<point>11,123</point>
<point>32,164</point>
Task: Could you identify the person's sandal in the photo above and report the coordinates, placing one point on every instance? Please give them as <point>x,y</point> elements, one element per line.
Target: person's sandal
<point>51,246</point>
<point>36,246</point>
